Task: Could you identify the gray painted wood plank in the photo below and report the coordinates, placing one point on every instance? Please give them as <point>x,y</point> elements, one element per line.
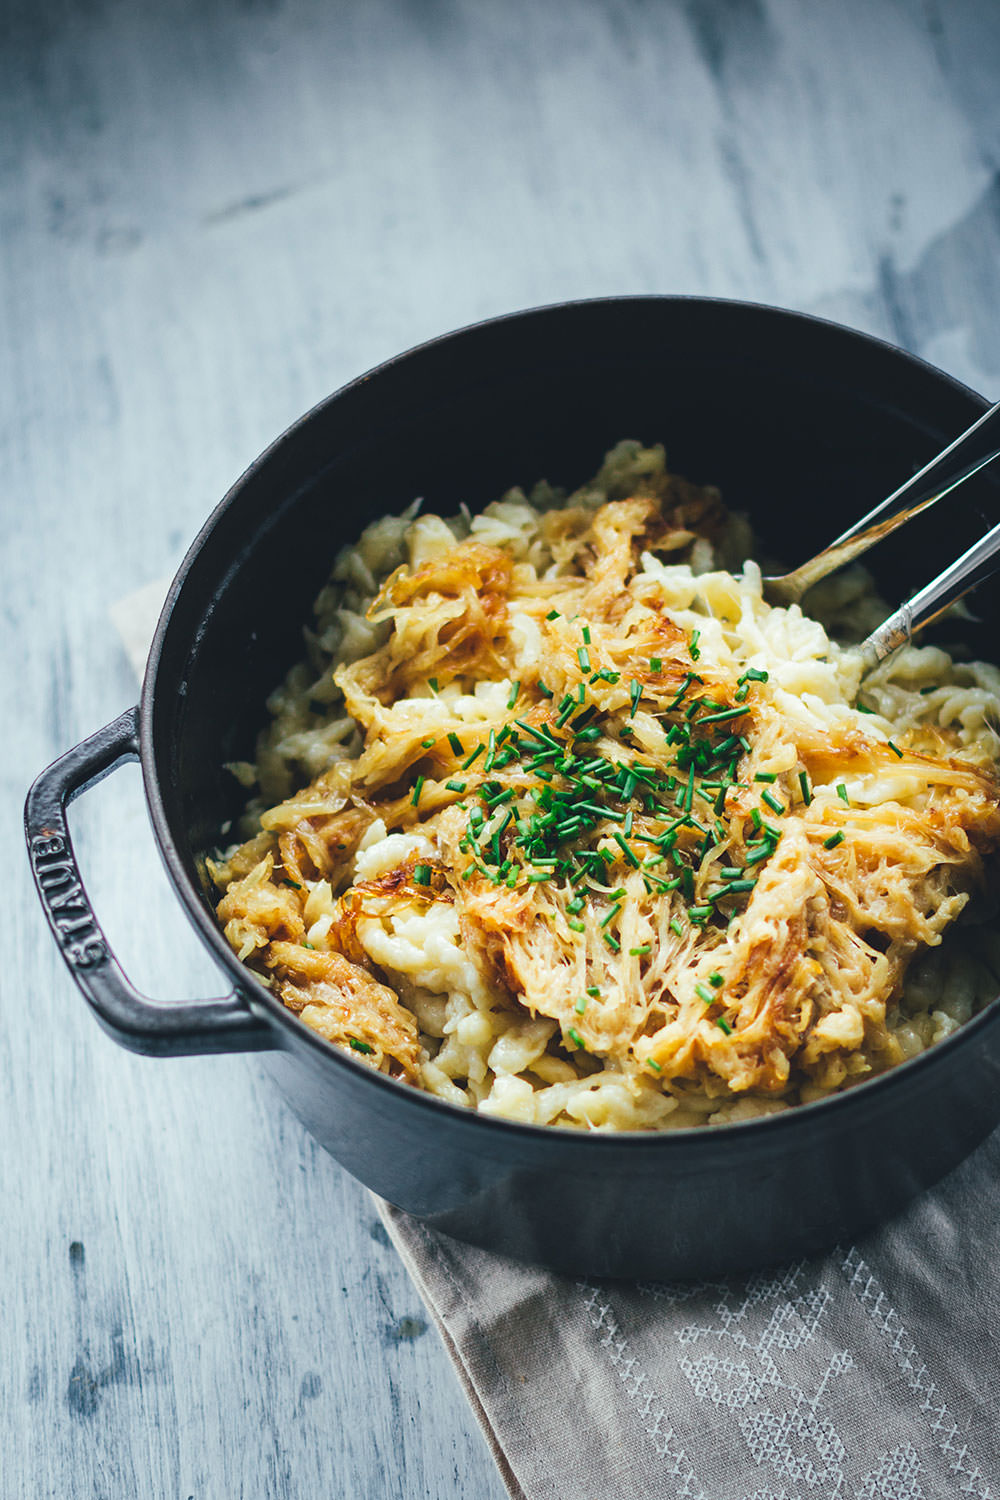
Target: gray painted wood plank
<point>211,215</point>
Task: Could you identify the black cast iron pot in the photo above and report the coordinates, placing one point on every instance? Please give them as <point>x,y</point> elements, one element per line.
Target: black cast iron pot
<point>804,425</point>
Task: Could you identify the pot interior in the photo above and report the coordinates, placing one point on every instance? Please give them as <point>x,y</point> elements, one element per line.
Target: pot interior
<point>803,425</point>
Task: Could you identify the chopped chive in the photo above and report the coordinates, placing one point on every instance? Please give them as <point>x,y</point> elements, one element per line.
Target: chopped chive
<point>765,776</point>
<point>753,675</point>
<point>716,979</point>
<point>842,793</point>
<point>581,1005</point>
<point>576,1038</point>
<point>422,874</point>
<point>456,744</point>
<point>456,786</point>
<point>729,713</point>
<point>542,734</point>
<point>806,789</point>
<point>515,688</point>
<point>895,750</point>
<point>585,632</point>
<point>699,913</point>
<point>593,990</point>
<point>772,802</point>
<point>546,692</point>
<point>863,708</point>
<point>612,943</point>
<point>418,788</point>
<point>359,1046</point>
<point>467,762</point>
<point>432,683</point>
<point>834,840</point>
<point>693,647</point>
<point>640,950</point>
<point>676,927</point>
<point>689,678</point>
<point>654,1064</point>
<point>293,883</point>
<point>759,852</point>
<point>575,925</point>
<point>704,993</point>
<point>428,744</point>
<point>755,817</point>
<point>634,693</point>
<point>553,614</point>
<point>583,657</point>
<point>655,664</point>
<point>619,840</point>
<point>611,915</point>
<point>312,946</point>
<point>724,1025</point>
<point>738,885</point>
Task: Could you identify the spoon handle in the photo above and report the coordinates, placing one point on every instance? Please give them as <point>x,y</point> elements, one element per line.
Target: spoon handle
<point>981,559</point>
<point>978,446</point>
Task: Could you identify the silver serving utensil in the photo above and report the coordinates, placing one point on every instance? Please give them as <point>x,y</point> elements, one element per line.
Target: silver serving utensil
<point>976,447</point>
<point>981,559</point>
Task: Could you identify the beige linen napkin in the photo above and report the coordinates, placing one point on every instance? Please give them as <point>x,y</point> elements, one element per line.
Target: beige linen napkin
<point>872,1373</point>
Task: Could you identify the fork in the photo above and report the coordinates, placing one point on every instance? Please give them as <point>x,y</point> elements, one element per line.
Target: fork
<point>978,446</point>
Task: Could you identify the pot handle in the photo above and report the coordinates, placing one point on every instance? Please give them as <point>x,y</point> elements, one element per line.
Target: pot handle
<point>141,1025</point>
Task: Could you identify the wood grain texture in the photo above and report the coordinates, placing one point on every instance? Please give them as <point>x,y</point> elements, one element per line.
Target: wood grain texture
<point>211,214</point>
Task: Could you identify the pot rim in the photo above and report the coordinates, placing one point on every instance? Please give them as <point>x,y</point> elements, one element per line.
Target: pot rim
<point>871,1093</point>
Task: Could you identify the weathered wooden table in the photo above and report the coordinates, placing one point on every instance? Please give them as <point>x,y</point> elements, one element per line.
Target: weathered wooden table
<point>213,214</point>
